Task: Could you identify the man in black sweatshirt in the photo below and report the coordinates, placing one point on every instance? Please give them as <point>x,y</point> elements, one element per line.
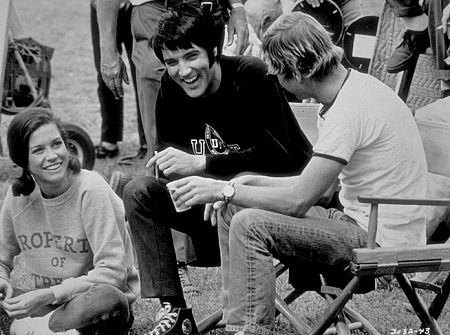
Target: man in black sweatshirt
<point>216,116</point>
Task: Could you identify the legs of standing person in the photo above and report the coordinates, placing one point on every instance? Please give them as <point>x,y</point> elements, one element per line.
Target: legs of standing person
<point>256,237</point>
<point>351,11</point>
<point>126,36</point>
<point>111,109</point>
<point>439,43</point>
<point>148,67</point>
<point>415,39</point>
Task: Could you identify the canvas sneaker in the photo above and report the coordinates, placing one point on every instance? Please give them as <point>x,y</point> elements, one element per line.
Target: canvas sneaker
<point>174,321</point>
<point>186,283</point>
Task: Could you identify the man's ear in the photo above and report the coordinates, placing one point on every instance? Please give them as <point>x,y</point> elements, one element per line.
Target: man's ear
<point>215,52</point>
<point>298,77</point>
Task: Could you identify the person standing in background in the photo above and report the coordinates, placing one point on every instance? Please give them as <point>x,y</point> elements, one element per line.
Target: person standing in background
<point>111,108</point>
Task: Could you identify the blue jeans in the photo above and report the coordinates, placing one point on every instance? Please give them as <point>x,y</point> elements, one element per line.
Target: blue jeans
<point>321,242</point>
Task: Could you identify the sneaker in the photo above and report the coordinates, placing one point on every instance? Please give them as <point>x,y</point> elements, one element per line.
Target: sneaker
<point>413,44</point>
<point>174,321</point>
<point>186,280</point>
<point>118,181</point>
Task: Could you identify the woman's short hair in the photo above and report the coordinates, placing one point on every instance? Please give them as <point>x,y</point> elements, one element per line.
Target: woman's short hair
<point>18,137</point>
<point>296,44</point>
<point>187,23</point>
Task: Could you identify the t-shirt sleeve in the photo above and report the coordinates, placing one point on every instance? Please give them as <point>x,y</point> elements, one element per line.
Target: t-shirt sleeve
<point>339,135</point>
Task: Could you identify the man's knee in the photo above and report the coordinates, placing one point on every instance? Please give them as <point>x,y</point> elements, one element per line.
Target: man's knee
<point>243,222</point>
<point>141,188</point>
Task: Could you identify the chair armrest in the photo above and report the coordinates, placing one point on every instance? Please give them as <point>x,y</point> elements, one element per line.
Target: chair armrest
<point>375,201</point>
<point>404,201</point>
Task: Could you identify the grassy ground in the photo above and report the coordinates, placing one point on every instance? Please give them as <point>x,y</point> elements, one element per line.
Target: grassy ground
<point>64,25</point>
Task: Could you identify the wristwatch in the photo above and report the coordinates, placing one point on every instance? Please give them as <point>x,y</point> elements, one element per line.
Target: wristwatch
<point>228,192</point>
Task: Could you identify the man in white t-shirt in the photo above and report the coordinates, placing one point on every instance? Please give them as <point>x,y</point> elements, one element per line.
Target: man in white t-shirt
<point>367,138</point>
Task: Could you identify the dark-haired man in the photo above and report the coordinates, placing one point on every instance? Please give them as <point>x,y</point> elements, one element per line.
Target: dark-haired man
<point>216,116</point>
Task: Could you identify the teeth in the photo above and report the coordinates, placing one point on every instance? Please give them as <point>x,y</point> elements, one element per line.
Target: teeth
<point>190,80</point>
<point>53,166</point>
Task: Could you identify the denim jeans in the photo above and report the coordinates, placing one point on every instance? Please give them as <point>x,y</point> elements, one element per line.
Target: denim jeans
<point>321,242</point>
<point>151,216</point>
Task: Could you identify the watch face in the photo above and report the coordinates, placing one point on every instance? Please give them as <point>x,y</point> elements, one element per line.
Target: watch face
<point>228,190</point>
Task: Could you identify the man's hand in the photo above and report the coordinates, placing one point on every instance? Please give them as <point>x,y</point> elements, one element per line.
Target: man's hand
<point>25,304</point>
<point>314,3</point>
<point>114,72</point>
<point>195,190</point>
<point>174,162</point>
<point>445,18</point>
<point>238,25</point>
<point>212,211</point>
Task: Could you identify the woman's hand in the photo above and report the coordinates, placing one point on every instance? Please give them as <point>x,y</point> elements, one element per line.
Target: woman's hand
<point>25,304</point>
<point>6,289</point>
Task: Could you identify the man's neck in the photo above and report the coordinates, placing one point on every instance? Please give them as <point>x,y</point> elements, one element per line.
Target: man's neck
<point>216,79</point>
<point>328,88</point>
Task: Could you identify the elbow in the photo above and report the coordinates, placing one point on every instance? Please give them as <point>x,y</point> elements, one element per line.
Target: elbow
<point>297,206</point>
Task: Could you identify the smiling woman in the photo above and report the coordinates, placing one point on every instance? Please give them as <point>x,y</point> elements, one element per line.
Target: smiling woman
<point>69,226</point>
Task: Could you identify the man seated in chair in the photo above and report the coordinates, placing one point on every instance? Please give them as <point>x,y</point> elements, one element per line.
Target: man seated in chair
<point>216,116</point>
<point>367,138</point>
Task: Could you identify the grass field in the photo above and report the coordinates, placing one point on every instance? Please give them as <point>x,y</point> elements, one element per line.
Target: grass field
<point>64,25</point>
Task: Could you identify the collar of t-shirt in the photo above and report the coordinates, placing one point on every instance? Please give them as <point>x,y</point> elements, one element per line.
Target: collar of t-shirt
<point>326,107</point>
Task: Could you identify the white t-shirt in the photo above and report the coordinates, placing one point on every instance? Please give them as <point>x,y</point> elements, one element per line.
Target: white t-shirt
<point>371,131</point>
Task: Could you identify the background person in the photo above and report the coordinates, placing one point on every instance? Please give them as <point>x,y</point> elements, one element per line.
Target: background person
<point>111,109</point>
<point>367,138</point>
<point>70,228</point>
<point>216,115</point>
<point>426,24</point>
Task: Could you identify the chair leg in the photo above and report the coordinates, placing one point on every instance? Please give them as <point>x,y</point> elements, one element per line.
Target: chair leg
<point>210,322</point>
<point>417,303</point>
<point>439,301</point>
<point>298,324</point>
<point>354,316</point>
<point>292,296</point>
<point>336,306</point>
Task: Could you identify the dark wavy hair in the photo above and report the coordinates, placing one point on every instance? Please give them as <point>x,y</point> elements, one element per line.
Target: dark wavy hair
<point>190,23</point>
<point>18,137</point>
